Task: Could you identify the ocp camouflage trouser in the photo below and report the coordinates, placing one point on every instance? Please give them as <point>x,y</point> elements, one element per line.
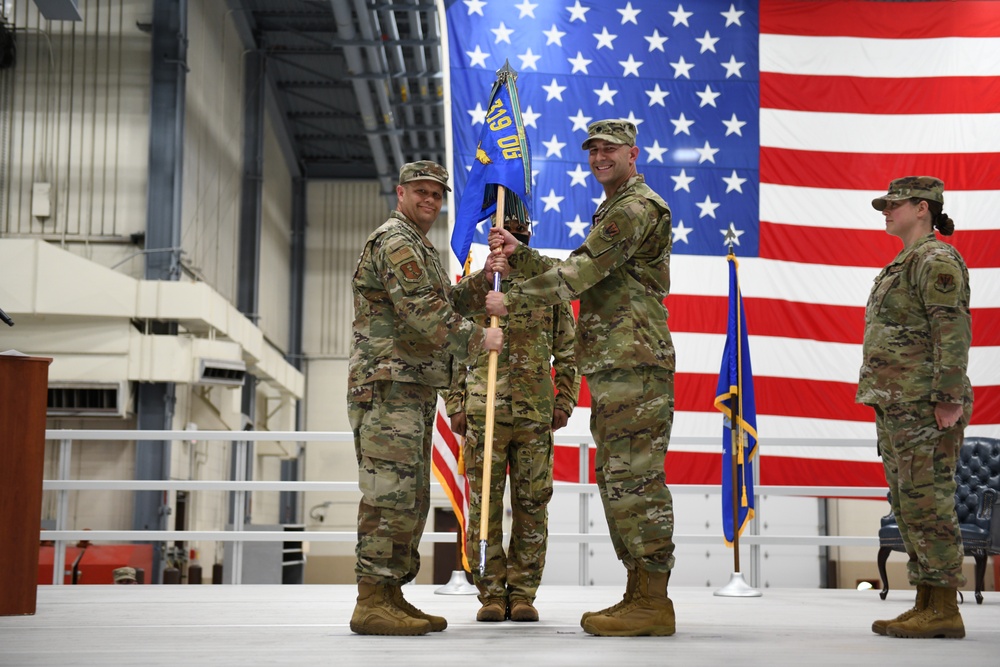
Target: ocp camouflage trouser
<point>392,428</point>
<point>919,461</point>
<point>525,447</point>
<point>632,412</point>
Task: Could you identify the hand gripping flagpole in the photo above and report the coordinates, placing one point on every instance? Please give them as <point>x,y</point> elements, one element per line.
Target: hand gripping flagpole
<point>737,586</point>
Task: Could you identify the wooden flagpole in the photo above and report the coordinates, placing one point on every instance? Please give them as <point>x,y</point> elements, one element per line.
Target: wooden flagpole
<point>491,392</point>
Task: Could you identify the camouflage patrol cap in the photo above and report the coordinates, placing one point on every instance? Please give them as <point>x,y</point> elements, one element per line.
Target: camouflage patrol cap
<point>612,130</point>
<point>922,187</point>
<point>124,575</point>
<point>424,170</point>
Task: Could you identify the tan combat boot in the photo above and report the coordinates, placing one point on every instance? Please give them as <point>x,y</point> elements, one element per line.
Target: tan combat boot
<point>522,610</point>
<point>923,592</point>
<point>493,610</point>
<point>438,623</point>
<point>650,613</point>
<point>940,618</point>
<point>377,614</point>
<point>633,578</point>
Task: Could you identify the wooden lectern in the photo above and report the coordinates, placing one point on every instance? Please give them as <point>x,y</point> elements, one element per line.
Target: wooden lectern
<point>24,384</point>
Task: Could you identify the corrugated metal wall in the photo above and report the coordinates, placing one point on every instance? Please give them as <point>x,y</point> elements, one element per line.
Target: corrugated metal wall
<point>213,146</point>
<point>72,119</point>
<point>75,116</point>
<point>341,216</point>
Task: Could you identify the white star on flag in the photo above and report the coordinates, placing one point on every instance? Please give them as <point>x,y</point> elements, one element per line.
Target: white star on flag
<point>553,36</point>
<point>707,42</point>
<point>578,12</point>
<point>552,201</point>
<point>477,58</point>
<point>580,121</point>
<point>502,32</point>
<point>579,63</point>
<point>707,207</point>
<point>630,66</point>
<point>657,96</point>
<point>605,95</point>
<point>655,151</point>
<point>707,96</point>
<point>577,227</point>
<point>681,16</point>
<point>553,147</point>
<point>682,124</point>
<point>530,117</point>
<point>554,91</point>
<point>656,41</point>
<point>681,232</point>
<point>578,176</point>
<point>706,153</point>
<point>682,181</point>
<point>527,9</point>
<point>733,125</point>
<point>605,40</point>
<point>734,182</point>
<point>628,14</point>
<point>475,6</point>
<point>731,232</point>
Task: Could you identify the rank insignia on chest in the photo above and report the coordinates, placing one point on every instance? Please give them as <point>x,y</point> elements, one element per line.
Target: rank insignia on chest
<point>610,231</point>
<point>944,283</point>
<point>411,270</point>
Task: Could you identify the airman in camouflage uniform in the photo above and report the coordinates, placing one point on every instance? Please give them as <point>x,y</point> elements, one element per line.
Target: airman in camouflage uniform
<point>406,328</point>
<point>528,408</point>
<point>621,275</point>
<point>916,352</point>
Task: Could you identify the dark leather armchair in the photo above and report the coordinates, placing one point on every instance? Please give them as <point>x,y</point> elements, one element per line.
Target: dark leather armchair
<point>977,503</point>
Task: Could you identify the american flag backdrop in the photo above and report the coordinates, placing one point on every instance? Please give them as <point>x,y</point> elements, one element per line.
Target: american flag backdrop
<point>779,120</point>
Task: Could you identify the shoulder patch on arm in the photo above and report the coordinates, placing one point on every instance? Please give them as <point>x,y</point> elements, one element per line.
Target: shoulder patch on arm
<point>401,254</point>
<point>411,270</point>
<point>943,290</point>
<point>944,283</point>
<point>405,260</point>
<point>609,231</point>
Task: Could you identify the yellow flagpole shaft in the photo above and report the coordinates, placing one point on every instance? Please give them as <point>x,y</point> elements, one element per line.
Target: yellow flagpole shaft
<point>491,393</point>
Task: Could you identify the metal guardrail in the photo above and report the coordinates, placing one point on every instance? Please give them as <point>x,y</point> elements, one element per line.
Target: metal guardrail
<point>241,486</point>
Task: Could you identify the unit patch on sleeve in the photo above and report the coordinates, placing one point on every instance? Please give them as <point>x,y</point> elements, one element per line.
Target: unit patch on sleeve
<point>944,283</point>
<point>411,270</point>
<point>610,231</point>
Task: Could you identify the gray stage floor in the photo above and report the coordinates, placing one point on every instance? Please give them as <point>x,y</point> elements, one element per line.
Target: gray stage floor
<point>147,626</point>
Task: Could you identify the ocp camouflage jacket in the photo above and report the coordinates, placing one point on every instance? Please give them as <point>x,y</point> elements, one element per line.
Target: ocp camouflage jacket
<point>621,275</point>
<point>918,328</point>
<point>407,324</point>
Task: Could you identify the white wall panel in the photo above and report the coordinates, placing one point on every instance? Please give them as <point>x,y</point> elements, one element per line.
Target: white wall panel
<point>213,146</point>
<point>275,243</point>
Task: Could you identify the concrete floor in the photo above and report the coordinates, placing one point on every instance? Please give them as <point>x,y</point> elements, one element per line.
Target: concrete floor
<point>249,625</point>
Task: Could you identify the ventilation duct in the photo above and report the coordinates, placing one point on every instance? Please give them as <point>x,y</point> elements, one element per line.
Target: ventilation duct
<point>87,399</point>
<point>219,372</point>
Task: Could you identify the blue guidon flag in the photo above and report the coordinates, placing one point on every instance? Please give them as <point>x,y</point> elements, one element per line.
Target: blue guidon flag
<point>502,159</point>
<point>735,399</point>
